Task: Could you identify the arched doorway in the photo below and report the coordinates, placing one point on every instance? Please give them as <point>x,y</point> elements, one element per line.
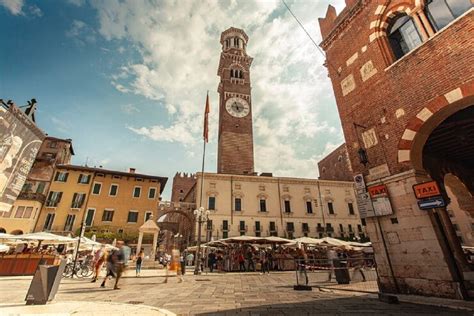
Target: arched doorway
<point>17,232</point>
<point>444,148</point>
<point>176,229</point>
<point>2,230</point>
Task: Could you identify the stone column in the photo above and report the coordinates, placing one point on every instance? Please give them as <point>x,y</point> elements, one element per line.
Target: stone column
<point>140,239</point>
<point>155,243</point>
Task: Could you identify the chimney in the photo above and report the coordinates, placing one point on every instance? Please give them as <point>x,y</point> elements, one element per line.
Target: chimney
<point>131,170</point>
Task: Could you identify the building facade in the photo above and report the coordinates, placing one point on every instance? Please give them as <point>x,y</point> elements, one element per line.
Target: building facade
<point>106,201</point>
<point>244,203</point>
<point>403,77</point>
<point>275,206</point>
<point>26,209</point>
<point>336,166</point>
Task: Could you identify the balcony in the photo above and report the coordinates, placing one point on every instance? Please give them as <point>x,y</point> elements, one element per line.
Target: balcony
<point>243,228</point>
<point>225,228</point>
<point>274,229</point>
<point>209,227</point>
<point>305,229</point>
<point>329,229</point>
<point>320,229</point>
<point>52,203</point>
<point>76,205</point>
<point>32,196</point>
<point>257,228</point>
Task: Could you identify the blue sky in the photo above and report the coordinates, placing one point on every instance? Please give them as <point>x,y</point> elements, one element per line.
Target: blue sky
<point>127,80</point>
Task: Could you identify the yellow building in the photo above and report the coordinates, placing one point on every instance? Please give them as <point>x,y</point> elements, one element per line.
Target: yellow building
<point>276,206</point>
<point>26,209</point>
<point>105,200</point>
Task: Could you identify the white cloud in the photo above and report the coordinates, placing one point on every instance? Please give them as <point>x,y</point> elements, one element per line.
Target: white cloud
<point>179,47</point>
<point>17,7</point>
<point>14,6</point>
<point>130,109</point>
<point>81,33</point>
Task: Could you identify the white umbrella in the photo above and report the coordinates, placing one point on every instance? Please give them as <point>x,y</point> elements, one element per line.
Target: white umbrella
<point>45,237</point>
<point>87,241</point>
<point>308,241</point>
<point>4,248</point>
<point>276,240</point>
<point>242,239</point>
<point>6,236</point>
<point>335,242</point>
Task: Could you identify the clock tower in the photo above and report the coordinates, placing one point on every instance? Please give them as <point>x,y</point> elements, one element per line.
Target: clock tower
<point>235,147</point>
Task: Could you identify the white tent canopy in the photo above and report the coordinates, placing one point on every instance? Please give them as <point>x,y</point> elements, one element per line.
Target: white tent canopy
<point>6,236</point>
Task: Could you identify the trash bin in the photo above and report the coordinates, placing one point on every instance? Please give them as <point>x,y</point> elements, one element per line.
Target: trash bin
<point>45,283</point>
<point>341,271</point>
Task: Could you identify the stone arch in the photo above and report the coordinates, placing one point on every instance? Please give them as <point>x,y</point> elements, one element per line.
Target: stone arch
<point>2,230</point>
<point>17,232</point>
<point>420,126</point>
<point>460,192</point>
<point>384,15</point>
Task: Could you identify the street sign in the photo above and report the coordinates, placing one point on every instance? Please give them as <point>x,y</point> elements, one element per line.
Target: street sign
<point>378,190</point>
<point>364,205</point>
<point>359,182</point>
<point>426,190</point>
<point>430,203</point>
<point>382,206</point>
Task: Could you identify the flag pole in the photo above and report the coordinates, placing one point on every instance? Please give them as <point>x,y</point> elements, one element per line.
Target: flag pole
<point>200,210</point>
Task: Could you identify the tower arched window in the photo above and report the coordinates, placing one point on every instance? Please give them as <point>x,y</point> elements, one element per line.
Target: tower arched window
<point>442,12</point>
<point>403,35</point>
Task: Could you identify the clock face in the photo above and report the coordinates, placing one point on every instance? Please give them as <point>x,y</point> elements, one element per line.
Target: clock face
<point>237,107</point>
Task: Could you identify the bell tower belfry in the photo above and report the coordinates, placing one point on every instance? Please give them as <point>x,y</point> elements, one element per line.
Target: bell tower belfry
<point>235,144</point>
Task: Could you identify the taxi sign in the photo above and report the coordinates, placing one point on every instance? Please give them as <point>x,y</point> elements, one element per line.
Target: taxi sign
<point>426,190</point>
<point>378,190</point>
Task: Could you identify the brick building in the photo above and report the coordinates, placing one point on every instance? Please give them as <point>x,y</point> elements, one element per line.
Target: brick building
<point>403,77</point>
<point>336,166</point>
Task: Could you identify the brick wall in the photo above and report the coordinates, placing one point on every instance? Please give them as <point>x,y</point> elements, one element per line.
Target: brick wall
<point>336,165</point>
<point>397,91</point>
<point>182,184</point>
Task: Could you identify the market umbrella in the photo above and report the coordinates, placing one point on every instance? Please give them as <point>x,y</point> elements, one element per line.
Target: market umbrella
<point>308,240</point>
<point>6,236</point>
<point>45,237</point>
<point>241,239</point>
<point>360,244</point>
<point>276,240</point>
<point>4,248</point>
<point>335,242</point>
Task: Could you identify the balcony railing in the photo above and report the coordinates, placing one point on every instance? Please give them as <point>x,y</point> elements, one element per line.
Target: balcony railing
<point>330,229</point>
<point>52,203</point>
<point>257,228</point>
<point>243,229</point>
<point>76,204</point>
<point>305,229</point>
<point>225,228</point>
<point>274,229</point>
<point>32,196</point>
<point>320,229</point>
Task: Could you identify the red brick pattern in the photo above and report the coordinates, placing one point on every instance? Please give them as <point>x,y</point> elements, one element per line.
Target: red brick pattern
<point>390,100</point>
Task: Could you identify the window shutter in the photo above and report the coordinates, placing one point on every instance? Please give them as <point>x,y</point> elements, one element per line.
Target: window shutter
<point>56,176</point>
<point>73,199</point>
<point>60,194</point>
<point>65,178</point>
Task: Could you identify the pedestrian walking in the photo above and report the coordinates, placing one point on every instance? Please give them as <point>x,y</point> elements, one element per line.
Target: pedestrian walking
<point>99,259</point>
<point>250,262</point>
<point>190,259</point>
<point>332,256</point>
<point>138,262</point>
<point>115,265</point>
<point>264,262</point>
<point>211,261</point>
<point>302,261</point>
<point>241,260</point>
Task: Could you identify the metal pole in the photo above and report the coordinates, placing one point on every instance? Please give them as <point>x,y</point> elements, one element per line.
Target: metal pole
<point>198,254</point>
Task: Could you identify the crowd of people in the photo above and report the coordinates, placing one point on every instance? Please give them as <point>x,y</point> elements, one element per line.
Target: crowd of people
<point>247,257</point>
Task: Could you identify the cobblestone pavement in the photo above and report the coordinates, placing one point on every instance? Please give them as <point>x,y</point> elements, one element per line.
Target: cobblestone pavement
<point>243,294</point>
